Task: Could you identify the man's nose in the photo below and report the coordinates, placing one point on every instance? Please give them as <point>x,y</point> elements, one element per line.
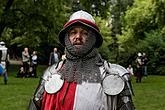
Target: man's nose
<point>78,35</point>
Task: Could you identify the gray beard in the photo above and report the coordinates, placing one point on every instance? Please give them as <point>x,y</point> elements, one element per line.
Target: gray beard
<point>83,64</point>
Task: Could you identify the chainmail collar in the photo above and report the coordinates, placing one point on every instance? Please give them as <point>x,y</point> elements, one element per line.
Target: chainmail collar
<point>82,69</point>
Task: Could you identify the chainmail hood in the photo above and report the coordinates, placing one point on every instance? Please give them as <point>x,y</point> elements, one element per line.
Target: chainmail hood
<point>82,64</point>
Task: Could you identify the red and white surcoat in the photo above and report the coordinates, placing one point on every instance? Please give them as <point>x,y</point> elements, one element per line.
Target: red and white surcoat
<point>89,94</point>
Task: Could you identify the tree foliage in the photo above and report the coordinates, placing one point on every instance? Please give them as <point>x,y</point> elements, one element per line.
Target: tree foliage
<point>33,23</point>
<point>36,24</point>
<point>143,31</point>
<point>154,46</point>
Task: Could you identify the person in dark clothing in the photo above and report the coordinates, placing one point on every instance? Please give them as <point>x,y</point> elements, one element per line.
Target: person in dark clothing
<point>144,64</point>
<point>54,57</point>
<point>31,72</point>
<point>21,72</point>
<point>138,72</point>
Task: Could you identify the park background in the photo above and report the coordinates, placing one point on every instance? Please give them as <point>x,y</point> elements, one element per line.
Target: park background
<point>127,26</point>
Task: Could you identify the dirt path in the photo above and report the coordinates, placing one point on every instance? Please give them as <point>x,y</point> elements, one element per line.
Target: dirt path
<point>18,62</point>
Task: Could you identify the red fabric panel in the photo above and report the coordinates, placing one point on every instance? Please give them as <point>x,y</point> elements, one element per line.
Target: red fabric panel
<point>54,101</point>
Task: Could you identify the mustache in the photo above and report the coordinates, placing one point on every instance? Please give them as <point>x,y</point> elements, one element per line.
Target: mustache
<point>78,42</point>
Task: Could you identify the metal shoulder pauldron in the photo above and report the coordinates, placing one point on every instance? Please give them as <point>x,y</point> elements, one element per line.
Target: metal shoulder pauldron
<point>113,82</point>
<point>53,81</point>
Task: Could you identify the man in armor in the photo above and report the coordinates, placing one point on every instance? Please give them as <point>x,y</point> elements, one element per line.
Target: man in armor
<point>4,60</point>
<point>83,81</point>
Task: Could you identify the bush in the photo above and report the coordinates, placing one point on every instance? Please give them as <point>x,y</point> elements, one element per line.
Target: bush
<point>154,46</point>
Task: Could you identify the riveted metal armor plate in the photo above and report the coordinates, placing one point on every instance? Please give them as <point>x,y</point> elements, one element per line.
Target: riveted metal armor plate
<point>113,84</point>
<point>53,83</point>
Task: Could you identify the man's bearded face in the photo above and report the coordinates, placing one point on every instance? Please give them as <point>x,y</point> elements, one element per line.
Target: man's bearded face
<point>78,36</point>
<point>80,40</point>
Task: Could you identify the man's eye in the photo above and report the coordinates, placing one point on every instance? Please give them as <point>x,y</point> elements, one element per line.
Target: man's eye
<point>72,33</point>
<point>85,33</point>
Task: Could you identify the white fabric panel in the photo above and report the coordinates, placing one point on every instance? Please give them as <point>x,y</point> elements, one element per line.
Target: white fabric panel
<point>90,96</point>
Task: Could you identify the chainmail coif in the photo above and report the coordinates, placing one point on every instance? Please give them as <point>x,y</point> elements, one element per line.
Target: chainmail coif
<point>83,64</point>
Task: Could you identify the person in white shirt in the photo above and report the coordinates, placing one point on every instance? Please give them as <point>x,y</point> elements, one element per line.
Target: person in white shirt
<point>34,63</point>
<point>130,70</point>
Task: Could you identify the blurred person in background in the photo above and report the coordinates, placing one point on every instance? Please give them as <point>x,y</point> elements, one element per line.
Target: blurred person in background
<point>138,72</point>
<point>21,72</point>
<point>130,70</point>
<point>144,64</point>
<point>34,63</point>
<point>4,60</point>
<point>26,61</point>
<point>54,57</point>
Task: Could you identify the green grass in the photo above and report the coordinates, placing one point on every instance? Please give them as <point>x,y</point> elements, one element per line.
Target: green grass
<point>149,95</point>
<point>16,94</point>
